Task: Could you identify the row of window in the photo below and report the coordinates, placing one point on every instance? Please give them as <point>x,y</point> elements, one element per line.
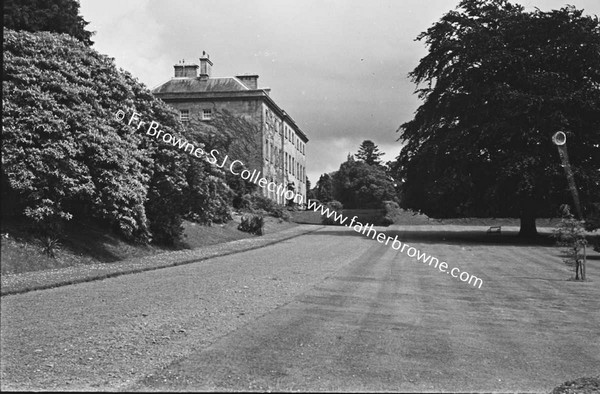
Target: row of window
<point>294,139</point>
<point>287,132</point>
<point>290,165</point>
<point>184,115</point>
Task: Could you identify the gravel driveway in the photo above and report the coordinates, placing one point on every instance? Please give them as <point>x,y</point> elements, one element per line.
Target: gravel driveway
<point>331,310</point>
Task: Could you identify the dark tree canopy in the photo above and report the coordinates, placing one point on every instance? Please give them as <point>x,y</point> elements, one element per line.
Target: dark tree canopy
<point>360,185</point>
<point>57,16</point>
<point>324,189</point>
<point>497,83</point>
<point>65,156</point>
<point>369,153</point>
<point>394,170</point>
<point>310,193</point>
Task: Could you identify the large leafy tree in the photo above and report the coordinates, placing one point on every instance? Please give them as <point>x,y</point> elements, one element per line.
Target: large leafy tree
<point>360,185</point>
<point>497,83</point>
<point>65,155</point>
<point>394,170</point>
<point>369,153</point>
<point>58,16</point>
<point>324,188</point>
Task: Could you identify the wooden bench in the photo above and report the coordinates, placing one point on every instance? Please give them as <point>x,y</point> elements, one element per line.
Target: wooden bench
<point>494,229</point>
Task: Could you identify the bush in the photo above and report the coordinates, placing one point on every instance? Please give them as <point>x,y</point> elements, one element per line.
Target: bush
<point>242,202</point>
<point>584,385</point>
<point>260,203</point>
<point>252,224</point>
<point>392,210</point>
<point>332,206</point>
<point>592,223</point>
<point>281,212</point>
<point>65,156</point>
<point>570,233</point>
<point>50,246</point>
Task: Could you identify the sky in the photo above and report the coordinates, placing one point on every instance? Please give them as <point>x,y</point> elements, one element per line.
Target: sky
<point>339,68</point>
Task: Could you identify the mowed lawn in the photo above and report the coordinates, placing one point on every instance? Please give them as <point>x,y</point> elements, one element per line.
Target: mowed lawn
<point>332,310</point>
<point>528,328</point>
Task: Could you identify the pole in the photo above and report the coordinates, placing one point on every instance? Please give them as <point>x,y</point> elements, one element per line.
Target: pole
<point>560,140</point>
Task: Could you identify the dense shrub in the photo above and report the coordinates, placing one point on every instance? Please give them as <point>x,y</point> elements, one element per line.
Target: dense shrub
<point>208,198</point>
<point>243,202</point>
<point>281,212</point>
<point>584,385</point>
<point>258,203</point>
<point>359,185</point>
<point>58,16</point>
<point>65,155</point>
<point>592,223</point>
<point>252,224</point>
<point>333,206</point>
<point>392,211</point>
<point>570,234</point>
<point>50,246</point>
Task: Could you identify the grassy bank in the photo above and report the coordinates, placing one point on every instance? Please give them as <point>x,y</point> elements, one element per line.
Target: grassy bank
<point>87,244</point>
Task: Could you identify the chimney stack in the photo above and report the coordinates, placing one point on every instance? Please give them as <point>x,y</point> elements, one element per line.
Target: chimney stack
<point>183,70</point>
<point>251,81</point>
<point>205,66</point>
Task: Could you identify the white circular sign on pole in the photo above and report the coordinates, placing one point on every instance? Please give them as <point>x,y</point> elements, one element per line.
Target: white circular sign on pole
<point>559,138</point>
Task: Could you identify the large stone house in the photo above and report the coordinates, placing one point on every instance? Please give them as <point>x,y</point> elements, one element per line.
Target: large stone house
<point>281,158</point>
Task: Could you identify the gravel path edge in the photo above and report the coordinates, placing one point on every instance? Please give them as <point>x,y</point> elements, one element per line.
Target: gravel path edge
<point>42,280</point>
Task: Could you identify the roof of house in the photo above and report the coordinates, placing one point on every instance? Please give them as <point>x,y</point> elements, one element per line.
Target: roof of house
<point>221,87</point>
<point>197,85</point>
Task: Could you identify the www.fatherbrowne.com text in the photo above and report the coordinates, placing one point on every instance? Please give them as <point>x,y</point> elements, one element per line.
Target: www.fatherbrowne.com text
<point>396,244</point>
<point>236,167</point>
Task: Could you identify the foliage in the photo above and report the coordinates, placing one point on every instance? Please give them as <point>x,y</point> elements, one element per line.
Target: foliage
<point>208,197</point>
<point>369,153</point>
<point>592,223</point>
<point>324,189</point>
<point>333,206</point>
<point>570,234</point>
<point>232,136</point>
<point>310,193</point>
<point>258,203</point>
<point>58,16</point>
<point>392,211</point>
<point>497,83</point>
<point>592,220</point>
<point>394,171</point>
<point>583,385</point>
<point>252,224</point>
<point>50,246</point>
<point>360,185</point>
<point>64,155</point>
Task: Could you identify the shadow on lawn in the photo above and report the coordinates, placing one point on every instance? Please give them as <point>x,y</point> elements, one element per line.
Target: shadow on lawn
<point>456,237</point>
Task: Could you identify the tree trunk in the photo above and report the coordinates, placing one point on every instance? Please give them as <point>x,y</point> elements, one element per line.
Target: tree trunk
<point>583,263</point>
<point>528,228</point>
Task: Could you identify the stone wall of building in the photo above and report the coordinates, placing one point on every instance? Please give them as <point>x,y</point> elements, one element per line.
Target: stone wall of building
<point>273,144</point>
<point>250,110</point>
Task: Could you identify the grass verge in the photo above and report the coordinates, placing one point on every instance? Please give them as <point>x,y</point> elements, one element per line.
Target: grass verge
<point>208,242</point>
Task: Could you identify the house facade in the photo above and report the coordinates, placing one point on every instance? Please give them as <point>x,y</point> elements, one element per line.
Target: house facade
<point>281,158</point>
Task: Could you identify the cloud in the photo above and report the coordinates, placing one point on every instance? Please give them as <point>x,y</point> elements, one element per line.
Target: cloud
<point>338,67</point>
